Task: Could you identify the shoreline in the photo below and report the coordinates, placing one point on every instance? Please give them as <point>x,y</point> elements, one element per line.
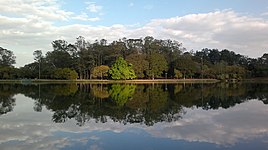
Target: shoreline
<point>135,81</point>
<point>97,81</point>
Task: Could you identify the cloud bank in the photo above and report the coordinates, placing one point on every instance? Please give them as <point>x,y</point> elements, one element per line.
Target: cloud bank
<point>34,24</point>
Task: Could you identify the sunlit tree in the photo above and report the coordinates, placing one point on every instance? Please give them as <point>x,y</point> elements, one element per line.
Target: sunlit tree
<point>121,70</point>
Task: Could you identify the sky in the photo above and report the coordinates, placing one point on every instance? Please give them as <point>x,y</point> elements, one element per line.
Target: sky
<point>237,25</point>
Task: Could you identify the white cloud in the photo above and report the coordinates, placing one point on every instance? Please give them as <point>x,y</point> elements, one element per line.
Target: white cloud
<point>93,7</point>
<point>27,25</point>
<point>220,29</point>
<point>85,17</point>
<point>45,9</point>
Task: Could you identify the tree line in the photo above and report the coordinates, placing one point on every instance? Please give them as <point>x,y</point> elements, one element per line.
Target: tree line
<point>144,58</point>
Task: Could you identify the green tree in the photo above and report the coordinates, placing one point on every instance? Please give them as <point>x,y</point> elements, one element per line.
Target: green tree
<point>59,45</point>
<point>86,57</point>
<point>59,59</point>
<point>177,74</point>
<point>140,64</point>
<point>186,65</point>
<point>65,73</point>
<point>214,56</point>
<point>8,72</point>
<point>121,70</point>
<point>38,57</point>
<point>7,57</point>
<point>62,54</point>
<point>157,65</point>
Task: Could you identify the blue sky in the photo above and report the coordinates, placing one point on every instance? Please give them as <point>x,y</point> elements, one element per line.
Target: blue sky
<point>237,25</point>
<point>130,12</point>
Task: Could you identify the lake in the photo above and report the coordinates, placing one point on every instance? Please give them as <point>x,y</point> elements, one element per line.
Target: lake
<point>128,116</point>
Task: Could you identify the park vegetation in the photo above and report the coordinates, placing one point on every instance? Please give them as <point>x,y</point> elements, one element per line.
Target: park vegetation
<point>123,59</point>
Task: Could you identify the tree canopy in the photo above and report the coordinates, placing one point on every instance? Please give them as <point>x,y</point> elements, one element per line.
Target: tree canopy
<point>146,58</point>
<point>121,70</point>
<point>100,72</point>
<point>7,57</point>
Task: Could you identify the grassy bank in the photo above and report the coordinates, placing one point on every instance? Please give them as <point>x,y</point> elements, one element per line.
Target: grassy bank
<point>138,81</point>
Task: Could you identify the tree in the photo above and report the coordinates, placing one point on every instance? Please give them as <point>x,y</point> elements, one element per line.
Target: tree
<point>59,59</point>
<point>186,65</point>
<point>157,65</point>
<point>140,64</point>
<point>7,57</point>
<point>121,70</point>
<point>65,73</point>
<point>85,62</point>
<point>59,45</point>
<point>134,46</point>
<point>37,57</point>
<point>177,74</point>
<point>8,73</point>
<point>149,58</point>
<point>214,56</point>
<point>100,72</point>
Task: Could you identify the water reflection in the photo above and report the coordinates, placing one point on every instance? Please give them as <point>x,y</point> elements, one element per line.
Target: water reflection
<point>127,103</point>
<point>229,115</point>
<point>7,101</point>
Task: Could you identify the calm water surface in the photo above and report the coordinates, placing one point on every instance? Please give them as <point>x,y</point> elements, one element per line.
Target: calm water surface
<point>125,116</point>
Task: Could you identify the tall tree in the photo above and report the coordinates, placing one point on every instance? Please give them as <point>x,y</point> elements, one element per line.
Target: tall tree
<point>157,65</point>
<point>186,65</point>
<point>139,63</point>
<point>83,58</point>
<point>214,56</point>
<point>59,45</point>
<point>38,57</point>
<point>7,57</point>
<point>59,59</point>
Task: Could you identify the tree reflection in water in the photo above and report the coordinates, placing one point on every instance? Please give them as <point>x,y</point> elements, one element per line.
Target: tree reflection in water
<point>129,103</point>
<point>7,100</point>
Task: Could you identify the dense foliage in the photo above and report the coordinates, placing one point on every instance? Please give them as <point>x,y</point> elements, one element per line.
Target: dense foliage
<point>121,70</point>
<point>149,58</point>
<point>100,72</point>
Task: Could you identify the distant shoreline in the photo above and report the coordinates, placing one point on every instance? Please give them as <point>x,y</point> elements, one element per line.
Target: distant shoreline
<point>136,81</point>
<point>97,81</point>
